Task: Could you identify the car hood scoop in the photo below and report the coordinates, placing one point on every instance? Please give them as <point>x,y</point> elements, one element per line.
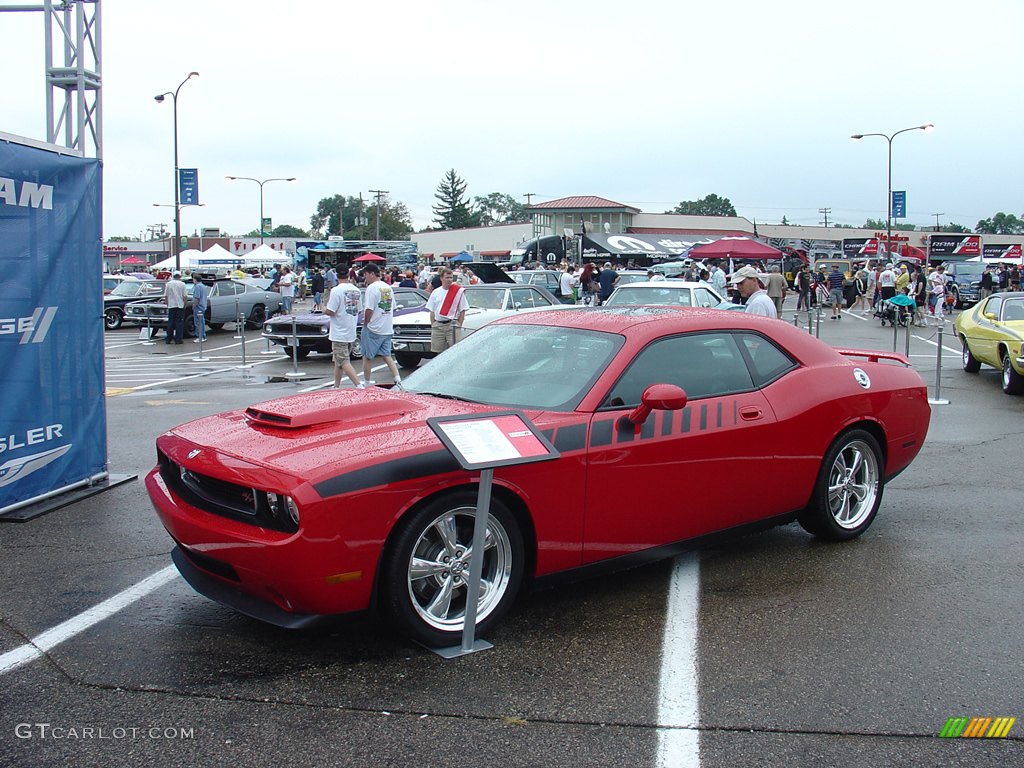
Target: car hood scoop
<point>325,408</point>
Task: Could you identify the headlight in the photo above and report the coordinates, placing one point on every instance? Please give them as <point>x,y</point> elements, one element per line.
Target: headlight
<point>283,505</point>
<point>324,331</point>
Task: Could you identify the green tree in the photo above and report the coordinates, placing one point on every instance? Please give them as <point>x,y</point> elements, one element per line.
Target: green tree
<point>712,205</point>
<point>951,227</point>
<point>498,208</point>
<point>121,239</point>
<point>395,220</point>
<point>452,210</point>
<point>287,230</point>
<point>784,222</point>
<point>338,215</point>
<point>1000,224</point>
<point>880,224</point>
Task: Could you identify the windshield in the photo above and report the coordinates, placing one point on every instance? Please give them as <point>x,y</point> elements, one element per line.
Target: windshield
<point>521,366</point>
<point>668,296</point>
<point>485,298</point>
<point>127,288</point>
<point>969,270</point>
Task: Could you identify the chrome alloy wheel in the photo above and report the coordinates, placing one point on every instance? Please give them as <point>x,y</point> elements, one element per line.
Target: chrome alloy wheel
<point>853,483</point>
<point>438,569</point>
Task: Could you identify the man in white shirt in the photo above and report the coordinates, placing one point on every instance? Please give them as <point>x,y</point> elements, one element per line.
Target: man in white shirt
<point>343,309</point>
<point>447,305</point>
<point>887,283</point>
<point>566,283</point>
<point>937,292</point>
<point>718,279</point>
<point>378,324</point>
<point>747,282</point>
<point>286,283</point>
<point>175,295</point>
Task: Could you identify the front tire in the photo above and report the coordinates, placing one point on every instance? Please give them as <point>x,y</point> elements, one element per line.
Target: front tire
<point>970,362</point>
<point>112,319</point>
<point>301,353</point>
<point>1013,382</point>
<point>427,567</point>
<point>407,360</point>
<point>848,490</point>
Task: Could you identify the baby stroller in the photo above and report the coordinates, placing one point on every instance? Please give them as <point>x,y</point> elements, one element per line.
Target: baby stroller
<point>897,310</point>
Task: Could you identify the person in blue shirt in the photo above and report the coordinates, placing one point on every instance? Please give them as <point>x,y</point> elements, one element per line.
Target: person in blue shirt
<point>835,291</point>
<point>200,298</point>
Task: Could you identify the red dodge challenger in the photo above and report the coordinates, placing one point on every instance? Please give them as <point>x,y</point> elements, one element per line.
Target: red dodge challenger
<point>320,504</point>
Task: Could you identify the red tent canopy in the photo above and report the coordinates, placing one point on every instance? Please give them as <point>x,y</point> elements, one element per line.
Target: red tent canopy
<point>735,247</point>
<point>369,257</point>
<point>133,260</point>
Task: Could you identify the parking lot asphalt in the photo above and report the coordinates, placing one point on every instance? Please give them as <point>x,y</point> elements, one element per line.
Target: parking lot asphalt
<point>806,653</point>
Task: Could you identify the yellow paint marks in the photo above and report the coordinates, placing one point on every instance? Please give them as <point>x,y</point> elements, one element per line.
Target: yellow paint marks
<point>341,578</point>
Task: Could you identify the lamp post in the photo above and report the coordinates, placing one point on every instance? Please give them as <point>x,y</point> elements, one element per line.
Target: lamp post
<point>177,207</point>
<point>261,183</point>
<point>888,204</point>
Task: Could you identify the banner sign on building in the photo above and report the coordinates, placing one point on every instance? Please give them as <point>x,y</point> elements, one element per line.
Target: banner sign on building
<point>53,431</point>
<point>899,204</point>
<point>860,247</point>
<point>188,186</point>
<point>1003,252</point>
<point>954,247</point>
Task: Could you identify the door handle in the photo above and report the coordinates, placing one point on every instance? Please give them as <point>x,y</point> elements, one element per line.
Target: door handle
<point>750,413</point>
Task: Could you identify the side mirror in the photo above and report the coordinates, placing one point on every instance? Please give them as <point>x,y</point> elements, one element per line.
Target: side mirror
<point>990,316</point>
<point>658,397</point>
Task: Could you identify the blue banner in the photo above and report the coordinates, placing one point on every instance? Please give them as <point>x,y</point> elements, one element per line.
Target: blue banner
<point>53,431</point>
<point>899,205</point>
<point>188,186</point>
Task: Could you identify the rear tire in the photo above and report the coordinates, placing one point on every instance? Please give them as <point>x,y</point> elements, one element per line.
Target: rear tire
<point>427,565</point>
<point>970,362</point>
<point>848,490</point>
<point>300,354</point>
<point>256,317</point>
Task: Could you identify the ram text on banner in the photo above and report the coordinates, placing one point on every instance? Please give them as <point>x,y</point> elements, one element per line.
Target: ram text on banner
<point>53,430</point>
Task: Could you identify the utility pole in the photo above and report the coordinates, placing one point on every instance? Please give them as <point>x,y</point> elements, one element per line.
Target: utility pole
<point>529,195</point>
<point>937,225</point>
<point>379,193</point>
<point>362,225</point>
<point>825,212</point>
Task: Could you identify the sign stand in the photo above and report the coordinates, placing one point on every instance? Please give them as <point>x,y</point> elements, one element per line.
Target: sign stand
<point>498,439</point>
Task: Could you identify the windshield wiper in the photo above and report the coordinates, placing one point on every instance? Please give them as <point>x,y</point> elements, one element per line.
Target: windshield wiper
<point>446,396</point>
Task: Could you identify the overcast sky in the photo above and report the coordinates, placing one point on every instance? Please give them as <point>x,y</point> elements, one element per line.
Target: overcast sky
<point>647,103</point>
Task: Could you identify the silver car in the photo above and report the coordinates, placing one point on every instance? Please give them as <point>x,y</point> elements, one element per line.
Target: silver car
<point>229,299</point>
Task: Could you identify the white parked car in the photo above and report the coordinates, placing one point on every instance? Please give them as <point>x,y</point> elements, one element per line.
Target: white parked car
<point>487,302</point>
<point>668,293</point>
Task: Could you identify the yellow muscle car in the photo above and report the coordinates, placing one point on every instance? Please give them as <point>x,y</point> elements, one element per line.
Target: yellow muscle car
<point>992,333</point>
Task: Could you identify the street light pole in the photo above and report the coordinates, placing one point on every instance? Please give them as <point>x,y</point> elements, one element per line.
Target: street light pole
<point>176,247</point>
<point>888,202</point>
<point>261,183</point>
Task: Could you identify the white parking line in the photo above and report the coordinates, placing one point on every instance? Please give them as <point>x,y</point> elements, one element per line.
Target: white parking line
<point>678,712</point>
<point>42,643</point>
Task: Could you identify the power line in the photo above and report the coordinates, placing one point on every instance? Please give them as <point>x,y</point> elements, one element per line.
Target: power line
<point>825,212</point>
<point>379,193</point>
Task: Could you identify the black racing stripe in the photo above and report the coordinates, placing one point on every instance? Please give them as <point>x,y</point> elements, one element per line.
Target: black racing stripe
<point>626,430</point>
<point>647,430</point>
<point>735,412</point>
<point>666,422</point>
<point>571,438</point>
<point>395,471</point>
<point>719,413</point>
<point>704,416</point>
<point>601,433</point>
<point>548,433</point>
<point>686,419</point>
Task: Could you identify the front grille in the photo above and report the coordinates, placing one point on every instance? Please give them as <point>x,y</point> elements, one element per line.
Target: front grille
<point>412,333</point>
<point>214,566</point>
<point>302,330</point>
<point>223,498</point>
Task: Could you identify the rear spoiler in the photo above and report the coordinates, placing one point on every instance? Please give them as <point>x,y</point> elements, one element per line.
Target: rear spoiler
<point>874,356</point>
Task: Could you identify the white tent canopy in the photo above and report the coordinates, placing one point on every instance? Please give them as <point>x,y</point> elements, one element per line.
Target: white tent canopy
<point>186,257</point>
<point>266,254</point>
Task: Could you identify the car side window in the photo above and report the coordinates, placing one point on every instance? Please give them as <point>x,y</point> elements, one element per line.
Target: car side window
<point>522,297</point>
<point>1013,310</point>
<point>767,361</point>
<point>994,305</point>
<point>704,298</point>
<point>703,364</point>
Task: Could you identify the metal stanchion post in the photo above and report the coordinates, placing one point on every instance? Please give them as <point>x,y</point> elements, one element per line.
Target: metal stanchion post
<point>910,324</point>
<point>817,321</point>
<point>202,358</point>
<point>149,333</point>
<point>895,327</point>
<point>240,327</point>
<point>268,350</point>
<point>937,400</point>
<point>295,373</point>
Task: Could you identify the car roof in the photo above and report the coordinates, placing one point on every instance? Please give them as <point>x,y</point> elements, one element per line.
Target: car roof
<point>669,282</point>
